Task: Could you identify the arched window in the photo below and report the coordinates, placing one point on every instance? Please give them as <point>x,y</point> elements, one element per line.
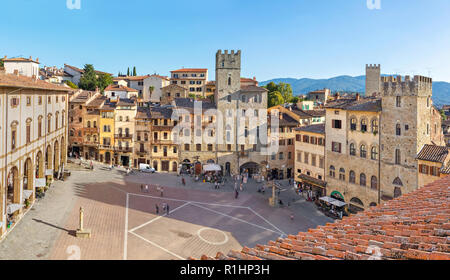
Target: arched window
<point>398,182</point>
<point>228,130</point>
<point>332,171</point>
<point>363,151</point>
<point>364,125</point>
<point>352,149</point>
<point>398,130</point>
<point>89,124</point>
<point>353,123</point>
<point>362,179</point>
<point>95,124</point>
<point>352,177</point>
<point>374,153</point>
<point>397,156</point>
<point>342,174</point>
<point>229,81</point>
<point>374,183</point>
<point>375,126</point>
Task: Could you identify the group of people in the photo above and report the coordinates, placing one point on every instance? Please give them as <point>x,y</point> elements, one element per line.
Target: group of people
<point>165,208</point>
<point>145,189</point>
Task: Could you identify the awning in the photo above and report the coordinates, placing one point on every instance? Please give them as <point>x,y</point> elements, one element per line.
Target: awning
<point>333,201</point>
<point>40,183</point>
<point>10,209</point>
<point>312,180</point>
<point>27,193</point>
<point>212,167</point>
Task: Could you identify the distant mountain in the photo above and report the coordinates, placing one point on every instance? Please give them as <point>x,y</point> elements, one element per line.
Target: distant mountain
<point>441,90</point>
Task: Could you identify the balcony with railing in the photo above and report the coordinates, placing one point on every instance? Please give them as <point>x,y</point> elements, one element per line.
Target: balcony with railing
<point>123,149</point>
<point>123,136</point>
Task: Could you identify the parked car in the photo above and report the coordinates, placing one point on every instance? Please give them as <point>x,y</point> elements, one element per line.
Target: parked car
<point>146,168</point>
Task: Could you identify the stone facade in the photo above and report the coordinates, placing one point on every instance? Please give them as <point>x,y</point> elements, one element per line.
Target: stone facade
<point>34,130</point>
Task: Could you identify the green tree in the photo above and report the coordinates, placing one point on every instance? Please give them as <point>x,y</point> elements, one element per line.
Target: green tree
<point>271,87</point>
<point>134,71</point>
<point>275,98</point>
<point>286,92</point>
<point>295,100</point>
<point>88,80</point>
<point>128,72</point>
<point>103,81</point>
<point>1,62</point>
<point>70,84</point>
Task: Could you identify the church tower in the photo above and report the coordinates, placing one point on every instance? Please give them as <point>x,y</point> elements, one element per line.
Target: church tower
<point>373,79</point>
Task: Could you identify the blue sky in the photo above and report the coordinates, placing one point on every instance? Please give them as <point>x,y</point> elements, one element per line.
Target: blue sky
<point>279,39</point>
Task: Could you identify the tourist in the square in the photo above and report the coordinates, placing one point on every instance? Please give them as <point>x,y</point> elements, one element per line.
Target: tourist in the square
<point>162,191</point>
<point>146,188</point>
<point>157,208</point>
<point>167,209</point>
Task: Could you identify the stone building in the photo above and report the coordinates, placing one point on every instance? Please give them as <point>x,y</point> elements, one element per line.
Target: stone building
<point>34,131</point>
<point>372,143</point>
<point>310,157</point>
<point>124,129</point>
<point>77,122</point>
<point>193,79</point>
<point>244,112</point>
<point>107,129</point>
<point>170,92</point>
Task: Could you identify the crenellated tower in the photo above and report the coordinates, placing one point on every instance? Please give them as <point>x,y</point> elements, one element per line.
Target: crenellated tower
<point>405,129</point>
<point>373,79</point>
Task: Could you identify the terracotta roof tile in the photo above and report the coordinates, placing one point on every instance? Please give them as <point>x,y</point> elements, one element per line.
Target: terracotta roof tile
<point>433,153</point>
<point>15,81</point>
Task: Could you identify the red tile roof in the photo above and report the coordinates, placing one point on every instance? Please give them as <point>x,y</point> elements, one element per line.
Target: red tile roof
<point>15,81</point>
<point>120,88</point>
<point>433,153</point>
<point>190,70</point>
<point>20,59</point>
<point>415,226</point>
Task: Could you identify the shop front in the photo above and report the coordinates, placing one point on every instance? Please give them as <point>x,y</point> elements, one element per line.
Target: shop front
<point>312,188</point>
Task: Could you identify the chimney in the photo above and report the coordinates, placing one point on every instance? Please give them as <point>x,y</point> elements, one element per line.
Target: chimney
<point>358,97</point>
<point>337,96</point>
<point>37,59</point>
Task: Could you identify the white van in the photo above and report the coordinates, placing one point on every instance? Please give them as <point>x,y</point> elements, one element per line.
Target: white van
<point>146,168</point>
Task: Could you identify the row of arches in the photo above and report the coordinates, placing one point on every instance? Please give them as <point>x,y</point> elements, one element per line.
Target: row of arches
<point>21,181</point>
<point>352,177</point>
<point>363,124</point>
<point>363,151</point>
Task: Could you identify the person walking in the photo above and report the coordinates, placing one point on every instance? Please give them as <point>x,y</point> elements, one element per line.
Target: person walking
<point>157,209</point>
<point>146,188</point>
<point>236,194</point>
<point>167,209</point>
<point>183,181</point>
<point>142,188</point>
<point>242,187</point>
<point>162,191</point>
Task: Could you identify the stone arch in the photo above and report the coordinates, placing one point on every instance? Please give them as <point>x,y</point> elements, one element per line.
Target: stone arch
<point>39,165</point>
<point>353,122</point>
<point>56,156</point>
<point>13,186</point>
<point>250,167</point>
<point>49,157</point>
<point>364,124</point>
<point>398,182</point>
<point>28,178</point>
<point>352,148</point>
<point>356,205</point>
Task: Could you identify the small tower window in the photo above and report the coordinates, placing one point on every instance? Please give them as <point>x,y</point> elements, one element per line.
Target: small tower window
<point>229,81</point>
<point>398,101</point>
